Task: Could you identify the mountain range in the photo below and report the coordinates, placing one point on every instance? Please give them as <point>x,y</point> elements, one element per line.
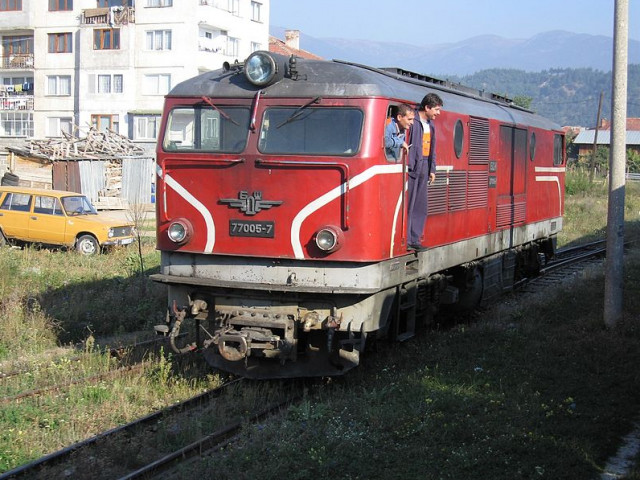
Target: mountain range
<point>562,73</point>
<point>548,50</point>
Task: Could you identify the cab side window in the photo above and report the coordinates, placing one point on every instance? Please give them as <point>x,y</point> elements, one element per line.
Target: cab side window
<point>47,205</point>
<point>18,202</point>
<point>392,111</point>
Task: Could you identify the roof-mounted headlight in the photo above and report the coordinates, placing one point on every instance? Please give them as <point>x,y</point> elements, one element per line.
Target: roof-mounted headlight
<point>261,69</point>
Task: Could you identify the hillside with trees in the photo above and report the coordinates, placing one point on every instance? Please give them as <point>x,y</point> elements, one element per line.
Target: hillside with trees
<point>568,96</point>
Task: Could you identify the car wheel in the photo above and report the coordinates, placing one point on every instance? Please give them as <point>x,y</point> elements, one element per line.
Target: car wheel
<point>87,245</point>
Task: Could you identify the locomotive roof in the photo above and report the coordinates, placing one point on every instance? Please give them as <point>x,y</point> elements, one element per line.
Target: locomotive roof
<point>322,78</point>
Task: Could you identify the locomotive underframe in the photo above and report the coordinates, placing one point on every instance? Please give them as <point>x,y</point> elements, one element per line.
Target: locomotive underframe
<point>282,318</point>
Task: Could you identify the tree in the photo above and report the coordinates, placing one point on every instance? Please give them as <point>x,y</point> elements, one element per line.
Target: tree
<point>523,101</point>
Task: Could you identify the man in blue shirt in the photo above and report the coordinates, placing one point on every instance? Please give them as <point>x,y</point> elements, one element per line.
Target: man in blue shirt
<point>395,132</point>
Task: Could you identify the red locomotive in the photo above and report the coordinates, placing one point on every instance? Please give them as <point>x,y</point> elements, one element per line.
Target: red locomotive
<point>282,223</point>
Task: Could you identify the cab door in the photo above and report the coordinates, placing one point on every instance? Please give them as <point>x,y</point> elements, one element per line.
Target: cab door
<point>47,222</point>
<point>512,195</point>
<point>14,215</point>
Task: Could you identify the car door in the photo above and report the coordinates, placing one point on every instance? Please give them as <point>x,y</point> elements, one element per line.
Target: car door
<point>47,222</point>
<point>14,215</point>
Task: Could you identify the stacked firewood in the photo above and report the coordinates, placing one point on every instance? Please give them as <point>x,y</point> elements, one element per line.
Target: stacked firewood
<point>96,144</point>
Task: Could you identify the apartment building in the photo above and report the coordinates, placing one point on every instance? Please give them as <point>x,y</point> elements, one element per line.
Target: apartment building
<point>109,63</point>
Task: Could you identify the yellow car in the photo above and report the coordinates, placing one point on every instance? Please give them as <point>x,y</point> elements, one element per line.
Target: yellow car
<point>55,217</point>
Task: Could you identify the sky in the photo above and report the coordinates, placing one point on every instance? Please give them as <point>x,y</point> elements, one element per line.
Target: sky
<point>428,22</point>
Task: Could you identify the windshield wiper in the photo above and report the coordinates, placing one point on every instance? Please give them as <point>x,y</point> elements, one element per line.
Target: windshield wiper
<point>220,111</point>
<point>299,111</point>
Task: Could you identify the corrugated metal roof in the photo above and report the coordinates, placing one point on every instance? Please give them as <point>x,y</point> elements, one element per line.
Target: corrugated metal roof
<point>604,137</point>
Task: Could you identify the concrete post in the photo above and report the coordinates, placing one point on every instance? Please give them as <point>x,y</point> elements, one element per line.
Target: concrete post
<point>618,151</point>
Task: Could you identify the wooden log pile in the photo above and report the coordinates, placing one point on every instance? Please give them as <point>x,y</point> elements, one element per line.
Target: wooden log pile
<point>95,144</point>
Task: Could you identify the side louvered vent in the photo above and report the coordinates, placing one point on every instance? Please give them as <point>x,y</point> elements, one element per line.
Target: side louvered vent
<point>478,141</point>
<point>437,196</point>
<point>511,214</point>
<point>478,190</point>
<point>457,190</point>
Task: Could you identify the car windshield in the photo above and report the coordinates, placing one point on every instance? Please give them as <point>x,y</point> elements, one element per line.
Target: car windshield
<point>78,205</point>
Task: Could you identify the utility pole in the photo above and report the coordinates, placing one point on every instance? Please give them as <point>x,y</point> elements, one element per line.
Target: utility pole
<point>595,141</point>
<point>615,214</point>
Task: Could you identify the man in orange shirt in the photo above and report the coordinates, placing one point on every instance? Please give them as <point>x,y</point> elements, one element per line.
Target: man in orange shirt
<point>422,167</point>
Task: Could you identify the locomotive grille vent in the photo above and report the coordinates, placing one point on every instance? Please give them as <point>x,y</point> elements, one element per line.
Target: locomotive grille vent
<point>437,196</point>
<point>457,191</point>
<point>478,141</point>
<point>508,213</point>
<point>477,191</point>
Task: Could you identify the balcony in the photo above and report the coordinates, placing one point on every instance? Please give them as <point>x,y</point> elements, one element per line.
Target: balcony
<point>109,16</point>
<point>16,102</point>
<point>22,61</point>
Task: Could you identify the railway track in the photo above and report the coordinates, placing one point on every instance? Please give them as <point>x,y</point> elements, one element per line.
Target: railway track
<point>75,460</point>
<point>152,444</point>
<point>130,357</point>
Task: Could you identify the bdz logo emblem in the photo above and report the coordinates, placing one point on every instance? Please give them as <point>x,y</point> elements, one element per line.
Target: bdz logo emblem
<point>250,204</point>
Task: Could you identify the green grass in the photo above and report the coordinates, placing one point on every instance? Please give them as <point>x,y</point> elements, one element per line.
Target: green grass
<point>585,212</point>
<point>50,301</point>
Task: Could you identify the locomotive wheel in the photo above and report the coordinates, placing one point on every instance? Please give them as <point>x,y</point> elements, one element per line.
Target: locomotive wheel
<point>87,245</point>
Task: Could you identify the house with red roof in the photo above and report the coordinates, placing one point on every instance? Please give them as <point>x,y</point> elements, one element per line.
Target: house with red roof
<point>290,46</point>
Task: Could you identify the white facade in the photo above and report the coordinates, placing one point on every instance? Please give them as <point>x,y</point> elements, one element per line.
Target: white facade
<point>110,66</point>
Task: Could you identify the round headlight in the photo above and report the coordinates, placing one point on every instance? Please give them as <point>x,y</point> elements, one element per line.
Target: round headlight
<point>260,68</point>
<point>178,232</point>
<point>328,239</point>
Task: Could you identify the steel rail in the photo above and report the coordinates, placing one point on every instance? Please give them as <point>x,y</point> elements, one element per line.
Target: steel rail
<point>31,469</point>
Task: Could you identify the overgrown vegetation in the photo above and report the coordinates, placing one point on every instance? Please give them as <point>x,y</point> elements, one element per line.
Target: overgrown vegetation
<point>585,211</point>
<point>50,301</point>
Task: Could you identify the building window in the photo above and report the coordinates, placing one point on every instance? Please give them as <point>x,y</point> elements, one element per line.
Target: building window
<point>60,5</point>
<point>255,11</point>
<point>60,43</point>
<point>59,85</point>
<point>114,3</point>
<point>110,83</point>
<point>158,84</point>
<point>102,122</point>
<point>16,124</point>
<point>159,40</point>
<point>10,5</point>
<point>255,46</point>
<point>234,7</point>
<point>56,126</point>
<point>17,45</point>
<point>106,39</point>
<point>232,47</point>
<point>159,3</point>
<point>146,127</point>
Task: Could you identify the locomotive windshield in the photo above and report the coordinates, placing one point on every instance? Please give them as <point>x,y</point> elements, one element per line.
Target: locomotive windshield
<point>203,128</point>
<point>317,131</point>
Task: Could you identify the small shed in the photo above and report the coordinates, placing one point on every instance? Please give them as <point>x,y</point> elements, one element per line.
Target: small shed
<point>106,167</point>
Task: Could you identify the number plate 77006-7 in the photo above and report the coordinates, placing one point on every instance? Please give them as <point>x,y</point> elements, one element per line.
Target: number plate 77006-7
<point>250,228</point>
